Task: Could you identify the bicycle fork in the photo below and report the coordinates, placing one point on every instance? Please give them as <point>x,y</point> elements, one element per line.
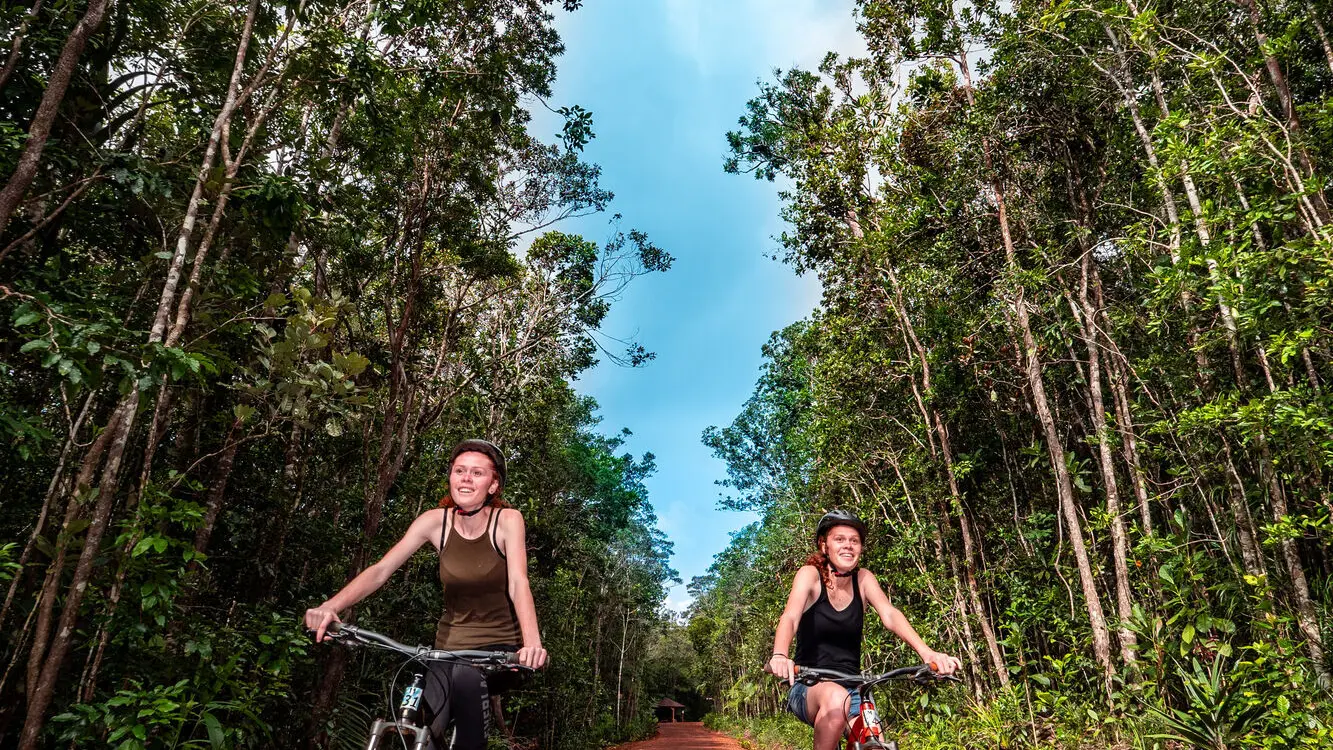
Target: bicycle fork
<point>420,735</point>
<point>409,712</point>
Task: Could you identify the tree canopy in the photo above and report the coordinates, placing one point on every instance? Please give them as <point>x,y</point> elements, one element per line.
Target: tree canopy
<point>261,266</point>
<point>1071,365</point>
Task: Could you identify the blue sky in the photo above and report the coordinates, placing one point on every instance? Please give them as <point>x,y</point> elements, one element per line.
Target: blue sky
<point>665,80</point>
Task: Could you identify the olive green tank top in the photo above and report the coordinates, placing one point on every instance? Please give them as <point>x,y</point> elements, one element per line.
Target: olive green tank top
<point>478,612</point>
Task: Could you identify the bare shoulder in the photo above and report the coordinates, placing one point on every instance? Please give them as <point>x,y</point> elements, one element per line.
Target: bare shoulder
<point>807,577</point>
<point>427,521</point>
<point>511,518</point>
<point>870,586</point>
<point>868,580</point>
<point>804,590</point>
<point>428,526</point>
<point>510,533</point>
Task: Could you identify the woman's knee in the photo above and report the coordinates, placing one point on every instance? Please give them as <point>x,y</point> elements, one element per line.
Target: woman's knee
<point>827,705</point>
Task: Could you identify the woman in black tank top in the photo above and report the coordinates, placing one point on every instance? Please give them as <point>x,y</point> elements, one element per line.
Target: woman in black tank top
<point>484,570</point>
<point>826,613</point>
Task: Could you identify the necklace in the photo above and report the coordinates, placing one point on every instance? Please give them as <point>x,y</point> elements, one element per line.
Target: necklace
<point>469,513</point>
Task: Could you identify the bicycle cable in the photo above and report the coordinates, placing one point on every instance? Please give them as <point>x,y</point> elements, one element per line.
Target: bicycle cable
<point>430,674</point>
<point>847,714</point>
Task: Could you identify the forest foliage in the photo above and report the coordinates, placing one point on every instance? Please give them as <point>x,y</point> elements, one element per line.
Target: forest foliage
<point>261,265</point>
<point>1072,364</point>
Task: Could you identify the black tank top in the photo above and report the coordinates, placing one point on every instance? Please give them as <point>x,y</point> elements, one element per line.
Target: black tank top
<point>827,638</point>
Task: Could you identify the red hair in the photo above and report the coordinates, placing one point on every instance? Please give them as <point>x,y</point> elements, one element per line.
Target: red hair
<point>822,564</point>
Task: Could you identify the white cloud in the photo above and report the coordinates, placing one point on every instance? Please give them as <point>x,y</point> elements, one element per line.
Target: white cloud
<point>763,33</point>
<point>678,600</point>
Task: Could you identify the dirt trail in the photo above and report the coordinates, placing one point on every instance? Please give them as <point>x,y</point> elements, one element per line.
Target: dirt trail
<point>685,735</point>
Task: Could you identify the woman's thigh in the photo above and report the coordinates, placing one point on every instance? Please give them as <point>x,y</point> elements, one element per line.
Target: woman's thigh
<point>829,698</point>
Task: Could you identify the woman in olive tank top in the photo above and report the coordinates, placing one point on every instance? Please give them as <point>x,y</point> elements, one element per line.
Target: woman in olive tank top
<point>826,613</point>
<point>483,567</point>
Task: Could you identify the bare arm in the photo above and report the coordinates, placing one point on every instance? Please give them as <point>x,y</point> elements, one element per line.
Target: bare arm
<point>513,543</point>
<point>896,621</point>
<point>423,530</point>
<point>804,590</point>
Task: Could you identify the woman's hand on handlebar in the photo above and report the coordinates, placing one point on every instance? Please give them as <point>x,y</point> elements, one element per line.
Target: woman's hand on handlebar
<point>782,667</point>
<point>319,619</point>
<point>532,656</point>
<point>942,664</point>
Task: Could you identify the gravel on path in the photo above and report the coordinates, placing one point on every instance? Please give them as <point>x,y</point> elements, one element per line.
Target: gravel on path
<point>684,735</point>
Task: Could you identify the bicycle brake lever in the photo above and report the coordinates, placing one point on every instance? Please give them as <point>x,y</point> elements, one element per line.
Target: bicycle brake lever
<point>928,676</point>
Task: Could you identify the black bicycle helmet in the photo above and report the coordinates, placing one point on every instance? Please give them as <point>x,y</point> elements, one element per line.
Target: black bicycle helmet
<point>839,518</point>
<point>486,448</point>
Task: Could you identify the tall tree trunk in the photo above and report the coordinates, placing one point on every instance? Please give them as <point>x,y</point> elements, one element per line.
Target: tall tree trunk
<point>217,490</point>
<point>122,423</point>
<point>16,43</point>
<point>1307,618</point>
<point>1293,122</point>
<point>1017,314</point>
<point>292,495</point>
<point>1118,377</point>
<point>1106,461</point>
<point>40,699</point>
<point>1246,533</point>
<point>55,489</point>
<point>47,595</point>
<point>40,128</point>
<point>936,425</point>
<point>1322,33</point>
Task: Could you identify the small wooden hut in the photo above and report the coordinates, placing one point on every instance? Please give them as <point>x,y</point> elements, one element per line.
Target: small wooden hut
<point>669,710</point>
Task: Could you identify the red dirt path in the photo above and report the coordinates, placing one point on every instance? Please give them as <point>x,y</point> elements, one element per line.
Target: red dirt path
<point>684,735</point>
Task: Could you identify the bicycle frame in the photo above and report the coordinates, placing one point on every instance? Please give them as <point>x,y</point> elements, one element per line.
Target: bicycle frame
<point>409,709</point>
<point>864,731</point>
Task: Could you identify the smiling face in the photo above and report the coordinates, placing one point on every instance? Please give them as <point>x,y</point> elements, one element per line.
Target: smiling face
<point>472,479</point>
<point>842,546</point>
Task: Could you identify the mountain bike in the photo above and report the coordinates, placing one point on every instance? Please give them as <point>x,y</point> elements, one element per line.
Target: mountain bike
<point>863,732</point>
<point>410,728</point>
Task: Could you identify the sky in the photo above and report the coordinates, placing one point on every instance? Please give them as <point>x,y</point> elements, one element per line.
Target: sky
<point>665,80</point>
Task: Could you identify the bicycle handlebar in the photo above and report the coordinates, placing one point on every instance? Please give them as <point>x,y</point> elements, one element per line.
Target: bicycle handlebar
<point>922,674</point>
<point>351,635</point>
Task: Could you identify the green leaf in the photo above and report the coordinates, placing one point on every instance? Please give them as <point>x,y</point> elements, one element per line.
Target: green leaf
<point>27,318</point>
<point>215,736</point>
<point>351,364</point>
<point>34,345</point>
<point>1188,634</point>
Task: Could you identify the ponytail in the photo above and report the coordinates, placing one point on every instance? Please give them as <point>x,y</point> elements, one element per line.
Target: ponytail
<point>821,563</point>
